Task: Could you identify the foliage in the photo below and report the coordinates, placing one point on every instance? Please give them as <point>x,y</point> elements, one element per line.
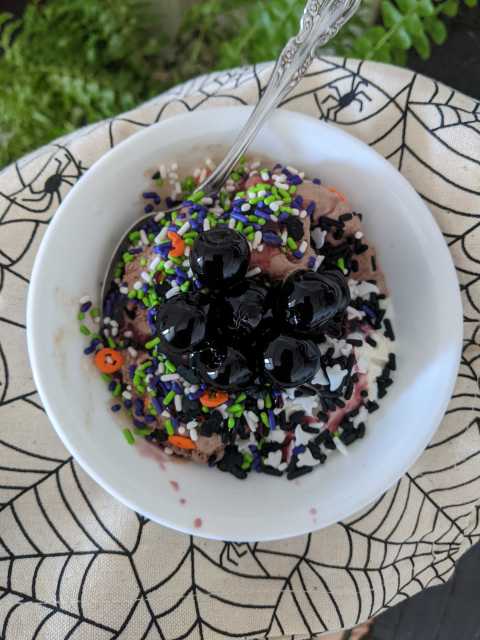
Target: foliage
<point>70,62</point>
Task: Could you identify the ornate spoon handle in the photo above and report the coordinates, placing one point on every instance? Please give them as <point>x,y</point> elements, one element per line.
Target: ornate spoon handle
<point>321,20</point>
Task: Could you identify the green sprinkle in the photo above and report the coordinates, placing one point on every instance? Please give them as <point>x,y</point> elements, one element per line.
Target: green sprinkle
<point>140,294</point>
<point>168,424</point>
<point>85,330</point>
<point>268,401</point>
<point>239,227</point>
<point>270,199</point>
<point>133,236</point>
<point>197,196</point>
<point>144,365</point>
<point>127,257</point>
<point>292,244</point>
<point>341,264</point>
<point>142,432</point>
<point>205,410</point>
<point>189,241</point>
<point>143,262</point>
<point>264,419</point>
<point>251,237</point>
<point>117,391</point>
<point>152,343</point>
<point>95,312</point>
<point>235,408</point>
<point>191,234</point>
<point>188,185</point>
<point>235,176</point>
<point>240,398</point>
<point>111,342</point>
<point>105,377</point>
<point>80,316</point>
<point>293,189</point>
<point>168,398</point>
<point>248,230</point>
<point>185,286</point>
<point>170,367</point>
<point>132,294</point>
<point>128,435</point>
<point>261,222</point>
<point>247,460</point>
<point>231,423</point>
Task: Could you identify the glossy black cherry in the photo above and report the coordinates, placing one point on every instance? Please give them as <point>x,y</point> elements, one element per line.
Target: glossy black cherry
<point>224,368</point>
<point>290,362</point>
<point>181,323</point>
<point>245,307</point>
<point>220,257</point>
<point>308,300</point>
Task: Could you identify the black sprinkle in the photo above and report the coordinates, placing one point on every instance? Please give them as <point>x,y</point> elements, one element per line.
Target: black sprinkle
<point>372,406</point>
<point>354,266</point>
<point>354,342</point>
<point>392,361</point>
<point>345,217</point>
<point>322,416</point>
<point>156,175</point>
<point>297,417</point>
<point>364,393</point>
<point>360,430</point>
<point>294,228</point>
<point>271,471</point>
<point>297,473</point>
<point>349,390</point>
<point>374,263</point>
<point>388,329</point>
<point>354,377</point>
<point>348,436</point>
<point>361,248</point>
<point>338,234</point>
<point>382,392</point>
<point>369,340</point>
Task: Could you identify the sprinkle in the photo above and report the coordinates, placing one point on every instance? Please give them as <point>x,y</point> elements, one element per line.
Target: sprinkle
<point>318,262</point>
<point>253,272</point>
<point>303,246</point>
<point>292,244</point>
<point>85,330</point>
<point>193,435</point>
<point>168,398</point>
<point>169,427</point>
<point>172,292</point>
<point>169,377</point>
<point>152,343</point>
<point>128,435</point>
<point>178,403</point>
<point>84,299</point>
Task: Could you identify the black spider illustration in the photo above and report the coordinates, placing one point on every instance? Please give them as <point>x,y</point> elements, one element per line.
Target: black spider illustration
<point>41,191</point>
<point>233,552</point>
<point>344,100</point>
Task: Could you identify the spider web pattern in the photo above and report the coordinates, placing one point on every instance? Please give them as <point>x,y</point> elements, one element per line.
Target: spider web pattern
<point>76,564</point>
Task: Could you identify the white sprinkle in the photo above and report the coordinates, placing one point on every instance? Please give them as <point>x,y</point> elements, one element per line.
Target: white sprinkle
<point>303,214</point>
<point>84,299</point>
<point>184,228</point>
<point>202,176</point>
<point>193,435</point>
<point>159,216</point>
<point>182,430</point>
<point>354,313</point>
<point>257,239</point>
<point>280,177</point>
<point>210,164</point>
<point>128,334</point>
<point>260,247</point>
<point>178,402</point>
<point>172,292</point>
<point>174,166</point>
<point>168,451</point>
<point>245,207</point>
<point>114,332</point>
<point>194,388</point>
<point>336,376</point>
<point>144,237</point>
<point>160,369</point>
<point>265,176</point>
<point>190,273</point>
<point>252,425</point>
<point>340,446</point>
<point>318,262</point>
<point>170,377</point>
<point>306,459</point>
<point>261,194</point>
<point>137,285</point>
<point>106,332</point>
<point>163,171</point>
<point>114,323</point>
<point>303,246</point>
<point>206,224</point>
<point>192,424</point>
<point>292,170</point>
<point>168,264</point>
<point>197,172</point>
<point>145,276</point>
<point>255,164</point>
<point>207,200</point>
<point>162,235</point>
<point>253,272</point>
<point>123,290</point>
<point>231,223</point>
<point>295,212</point>
<point>165,414</point>
<point>97,318</point>
<point>260,404</point>
<point>186,252</point>
<point>127,395</point>
<point>320,378</point>
<point>358,235</point>
<point>154,263</point>
<point>252,194</point>
<point>284,237</point>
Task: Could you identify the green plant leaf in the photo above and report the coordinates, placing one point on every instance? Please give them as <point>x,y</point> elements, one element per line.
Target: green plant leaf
<point>407,6</point>
<point>422,46</point>
<point>413,25</point>
<point>401,39</point>
<point>471,4</point>
<point>436,30</point>
<point>391,15</point>
<point>450,8</point>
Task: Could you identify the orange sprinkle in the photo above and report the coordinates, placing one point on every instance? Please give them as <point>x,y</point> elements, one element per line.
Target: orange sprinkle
<point>108,360</point>
<point>341,196</point>
<point>178,245</point>
<point>212,399</point>
<point>182,442</point>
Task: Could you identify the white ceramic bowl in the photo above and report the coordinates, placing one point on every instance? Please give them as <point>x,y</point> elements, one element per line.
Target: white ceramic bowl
<point>428,323</point>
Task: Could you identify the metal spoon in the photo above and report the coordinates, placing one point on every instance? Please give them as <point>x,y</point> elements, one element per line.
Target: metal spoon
<point>321,21</point>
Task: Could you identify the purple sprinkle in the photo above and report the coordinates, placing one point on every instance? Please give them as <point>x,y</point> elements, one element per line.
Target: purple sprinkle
<point>316,181</point>
<point>150,418</point>
<point>172,227</point>
<point>177,388</point>
<point>157,405</point>
<point>112,385</point>
<point>138,423</point>
<point>116,407</point>
<point>138,407</point>
<point>282,217</point>
<point>150,370</point>
<point>85,307</point>
<point>174,422</point>
<point>150,195</point>
<point>135,250</point>
<point>297,202</point>
<point>197,284</point>
<point>240,217</point>
<point>299,449</point>
<point>311,262</point>
<point>88,350</point>
<point>311,208</point>
<point>157,249</point>
<point>271,419</point>
<point>131,371</point>
<point>145,287</point>
<point>295,180</point>
<point>127,404</point>
<point>260,214</point>
<point>148,208</point>
<point>369,311</point>
<point>298,254</point>
<point>169,202</point>
<point>269,237</point>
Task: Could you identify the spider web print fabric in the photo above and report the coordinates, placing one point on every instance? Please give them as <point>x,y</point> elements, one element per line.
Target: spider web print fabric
<point>76,564</point>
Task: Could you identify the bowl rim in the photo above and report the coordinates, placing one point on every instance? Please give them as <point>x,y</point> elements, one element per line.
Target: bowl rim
<point>39,374</point>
